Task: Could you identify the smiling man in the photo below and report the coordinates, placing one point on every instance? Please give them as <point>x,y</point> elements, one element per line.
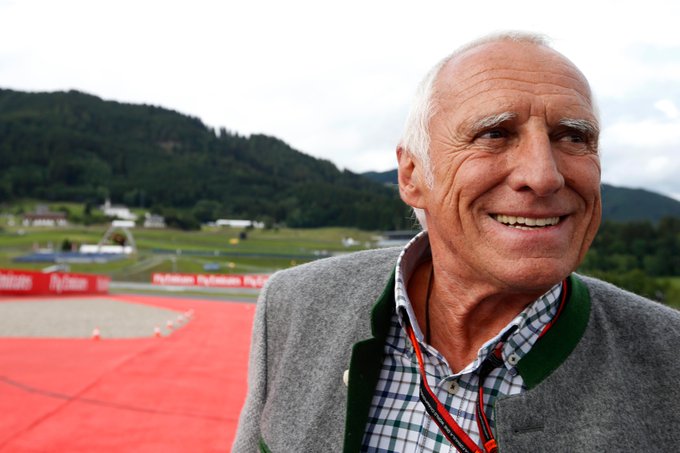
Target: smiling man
<point>476,336</point>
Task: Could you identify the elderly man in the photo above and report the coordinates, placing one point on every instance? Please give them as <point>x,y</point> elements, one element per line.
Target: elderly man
<point>476,336</point>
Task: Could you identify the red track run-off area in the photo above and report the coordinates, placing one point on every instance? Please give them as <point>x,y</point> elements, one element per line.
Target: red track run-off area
<point>177,393</point>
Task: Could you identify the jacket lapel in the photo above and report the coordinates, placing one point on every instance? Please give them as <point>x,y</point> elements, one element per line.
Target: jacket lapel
<point>364,370</point>
<point>558,343</point>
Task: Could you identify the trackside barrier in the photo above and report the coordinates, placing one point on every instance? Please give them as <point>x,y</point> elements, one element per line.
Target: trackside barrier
<point>32,283</point>
<point>209,280</point>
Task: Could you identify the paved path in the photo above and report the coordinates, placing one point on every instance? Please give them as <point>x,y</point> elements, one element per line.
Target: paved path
<point>78,317</point>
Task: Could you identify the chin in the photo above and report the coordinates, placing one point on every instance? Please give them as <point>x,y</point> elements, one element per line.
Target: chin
<point>534,277</point>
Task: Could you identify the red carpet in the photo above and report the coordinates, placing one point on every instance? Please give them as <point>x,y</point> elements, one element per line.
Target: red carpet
<point>180,393</point>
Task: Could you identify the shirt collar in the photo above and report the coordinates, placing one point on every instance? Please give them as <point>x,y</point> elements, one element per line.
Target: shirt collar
<point>528,324</point>
<point>415,253</point>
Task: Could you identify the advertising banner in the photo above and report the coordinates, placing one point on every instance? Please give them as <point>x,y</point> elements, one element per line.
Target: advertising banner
<point>32,283</point>
<point>210,280</point>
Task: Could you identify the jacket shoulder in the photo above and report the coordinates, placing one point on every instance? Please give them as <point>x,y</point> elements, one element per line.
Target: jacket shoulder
<point>631,310</point>
<point>640,333</point>
<point>361,273</point>
<point>328,300</point>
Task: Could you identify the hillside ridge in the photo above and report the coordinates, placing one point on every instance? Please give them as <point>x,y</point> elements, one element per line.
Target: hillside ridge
<point>73,146</point>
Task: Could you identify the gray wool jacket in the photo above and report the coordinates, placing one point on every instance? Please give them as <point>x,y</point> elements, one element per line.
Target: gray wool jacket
<point>606,376</point>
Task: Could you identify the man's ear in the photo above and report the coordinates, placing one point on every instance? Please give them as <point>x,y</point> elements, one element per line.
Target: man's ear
<point>411,179</point>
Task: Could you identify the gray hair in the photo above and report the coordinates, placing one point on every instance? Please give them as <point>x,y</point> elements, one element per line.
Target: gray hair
<point>415,139</point>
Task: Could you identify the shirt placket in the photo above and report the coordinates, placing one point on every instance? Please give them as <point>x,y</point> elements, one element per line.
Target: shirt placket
<point>458,392</point>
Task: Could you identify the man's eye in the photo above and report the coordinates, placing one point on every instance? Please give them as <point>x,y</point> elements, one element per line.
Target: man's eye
<point>577,142</point>
<point>493,134</point>
<point>573,138</point>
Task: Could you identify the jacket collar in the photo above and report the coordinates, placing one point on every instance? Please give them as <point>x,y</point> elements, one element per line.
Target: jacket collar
<point>555,346</point>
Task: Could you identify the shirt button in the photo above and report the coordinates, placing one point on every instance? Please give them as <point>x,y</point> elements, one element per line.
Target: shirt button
<point>453,387</point>
<point>513,359</point>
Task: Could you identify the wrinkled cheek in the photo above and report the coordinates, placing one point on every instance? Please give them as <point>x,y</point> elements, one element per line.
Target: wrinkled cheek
<point>442,199</point>
<point>457,171</point>
<point>449,200</point>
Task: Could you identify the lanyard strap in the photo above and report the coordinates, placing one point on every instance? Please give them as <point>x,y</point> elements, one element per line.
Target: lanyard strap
<point>438,412</point>
<point>492,361</point>
<point>441,416</point>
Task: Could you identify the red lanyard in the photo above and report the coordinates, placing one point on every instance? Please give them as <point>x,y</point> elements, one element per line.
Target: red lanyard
<point>441,416</point>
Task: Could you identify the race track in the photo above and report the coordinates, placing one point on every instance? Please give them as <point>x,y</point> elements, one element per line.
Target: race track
<point>131,390</point>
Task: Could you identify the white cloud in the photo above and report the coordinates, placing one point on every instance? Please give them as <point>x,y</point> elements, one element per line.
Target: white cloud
<point>668,107</point>
<point>633,166</point>
<point>647,134</point>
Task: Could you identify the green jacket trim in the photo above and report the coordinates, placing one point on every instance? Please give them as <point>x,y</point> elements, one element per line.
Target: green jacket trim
<point>263,447</point>
<point>543,358</point>
<point>364,370</point>
<point>558,342</point>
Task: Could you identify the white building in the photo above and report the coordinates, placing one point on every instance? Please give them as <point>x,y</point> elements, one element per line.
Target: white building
<point>117,211</point>
<point>237,223</point>
<point>153,221</point>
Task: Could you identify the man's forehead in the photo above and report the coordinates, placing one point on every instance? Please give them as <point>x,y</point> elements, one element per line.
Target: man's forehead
<point>508,52</point>
<point>510,62</point>
<point>482,77</point>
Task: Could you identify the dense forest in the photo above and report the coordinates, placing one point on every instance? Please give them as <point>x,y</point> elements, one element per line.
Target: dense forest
<point>71,146</point>
<point>623,247</point>
<point>634,255</point>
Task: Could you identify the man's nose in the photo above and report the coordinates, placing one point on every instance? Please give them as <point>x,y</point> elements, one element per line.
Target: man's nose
<point>535,167</point>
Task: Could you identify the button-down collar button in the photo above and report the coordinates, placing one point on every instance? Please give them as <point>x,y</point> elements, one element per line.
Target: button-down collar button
<point>345,378</point>
<point>513,359</point>
<point>453,387</point>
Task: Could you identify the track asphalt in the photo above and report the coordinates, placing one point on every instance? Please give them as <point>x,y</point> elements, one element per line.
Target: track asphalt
<point>129,391</point>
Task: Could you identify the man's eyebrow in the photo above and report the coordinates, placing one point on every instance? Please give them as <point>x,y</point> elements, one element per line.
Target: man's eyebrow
<point>492,120</point>
<point>586,126</point>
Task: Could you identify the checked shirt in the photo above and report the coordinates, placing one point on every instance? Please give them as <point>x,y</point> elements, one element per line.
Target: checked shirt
<point>397,419</point>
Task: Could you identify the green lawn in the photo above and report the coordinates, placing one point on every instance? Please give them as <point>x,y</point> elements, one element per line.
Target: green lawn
<point>166,250</point>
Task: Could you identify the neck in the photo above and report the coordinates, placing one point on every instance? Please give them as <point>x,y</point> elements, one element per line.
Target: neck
<point>458,319</point>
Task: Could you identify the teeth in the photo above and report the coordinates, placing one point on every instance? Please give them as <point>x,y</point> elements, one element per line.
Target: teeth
<point>525,223</point>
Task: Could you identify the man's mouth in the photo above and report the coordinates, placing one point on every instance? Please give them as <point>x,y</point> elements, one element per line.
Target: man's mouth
<point>525,223</point>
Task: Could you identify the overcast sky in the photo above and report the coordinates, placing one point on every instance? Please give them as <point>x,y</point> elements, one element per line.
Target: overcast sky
<point>334,78</point>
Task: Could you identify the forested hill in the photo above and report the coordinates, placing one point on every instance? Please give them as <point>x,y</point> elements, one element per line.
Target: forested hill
<point>623,204</point>
<point>72,146</point>
<point>619,204</point>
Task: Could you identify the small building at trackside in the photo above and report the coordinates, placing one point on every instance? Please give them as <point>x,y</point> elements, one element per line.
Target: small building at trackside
<point>43,217</point>
<point>153,221</point>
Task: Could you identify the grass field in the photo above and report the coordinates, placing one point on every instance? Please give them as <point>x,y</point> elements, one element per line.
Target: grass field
<point>167,250</point>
